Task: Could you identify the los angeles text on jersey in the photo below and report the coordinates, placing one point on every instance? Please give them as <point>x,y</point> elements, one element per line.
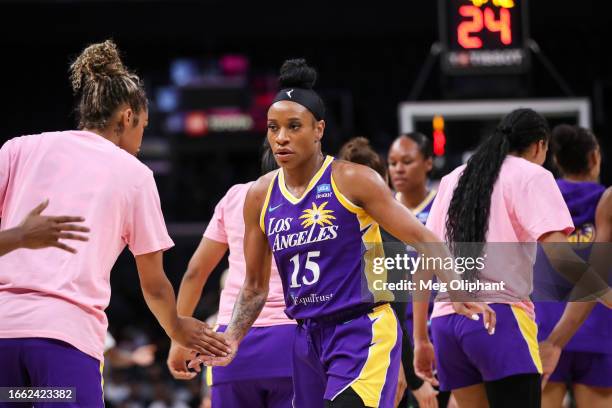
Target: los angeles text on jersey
<point>317,223</point>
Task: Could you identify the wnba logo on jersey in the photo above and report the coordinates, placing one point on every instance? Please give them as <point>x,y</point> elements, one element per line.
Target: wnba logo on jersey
<point>323,191</point>
<point>317,224</point>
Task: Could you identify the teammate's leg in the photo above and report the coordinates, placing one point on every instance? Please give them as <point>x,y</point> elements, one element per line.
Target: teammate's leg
<point>592,397</point>
<point>592,380</point>
<point>473,396</point>
<point>553,394</point>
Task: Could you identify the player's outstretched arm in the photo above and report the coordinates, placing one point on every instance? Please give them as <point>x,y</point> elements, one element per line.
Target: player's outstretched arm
<point>366,189</point>
<point>258,259</point>
<point>202,263</point>
<point>159,295</point>
<point>254,292</point>
<point>39,231</point>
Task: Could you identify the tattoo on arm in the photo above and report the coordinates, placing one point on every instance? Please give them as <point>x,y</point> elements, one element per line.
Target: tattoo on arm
<point>249,304</point>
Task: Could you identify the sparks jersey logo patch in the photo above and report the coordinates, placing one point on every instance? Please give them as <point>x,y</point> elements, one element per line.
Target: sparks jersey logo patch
<point>317,215</point>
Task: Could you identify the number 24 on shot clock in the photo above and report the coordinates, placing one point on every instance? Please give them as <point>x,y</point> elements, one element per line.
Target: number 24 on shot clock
<point>483,36</point>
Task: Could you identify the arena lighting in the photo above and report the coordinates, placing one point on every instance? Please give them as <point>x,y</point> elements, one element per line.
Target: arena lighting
<point>439,138</point>
<point>410,112</point>
<point>196,124</point>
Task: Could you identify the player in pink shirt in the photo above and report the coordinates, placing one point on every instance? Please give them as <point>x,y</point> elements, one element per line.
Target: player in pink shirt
<point>260,375</point>
<point>53,325</point>
<point>501,195</point>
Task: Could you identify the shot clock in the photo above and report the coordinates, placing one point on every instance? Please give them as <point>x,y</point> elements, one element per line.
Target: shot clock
<point>483,36</point>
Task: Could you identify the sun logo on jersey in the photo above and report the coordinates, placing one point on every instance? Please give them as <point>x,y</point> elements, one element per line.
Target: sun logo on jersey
<point>317,215</point>
<point>584,234</point>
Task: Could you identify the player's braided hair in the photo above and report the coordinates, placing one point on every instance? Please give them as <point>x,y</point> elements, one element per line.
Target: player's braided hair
<point>468,214</point>
<point>102,83</point>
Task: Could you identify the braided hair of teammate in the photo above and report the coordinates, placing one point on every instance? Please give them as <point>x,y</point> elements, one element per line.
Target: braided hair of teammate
<point>102,84</point>
<point>468,213</point>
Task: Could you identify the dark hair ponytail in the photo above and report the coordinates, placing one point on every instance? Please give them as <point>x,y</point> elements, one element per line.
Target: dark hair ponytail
<point>468,214</point>
<point>268,162</point>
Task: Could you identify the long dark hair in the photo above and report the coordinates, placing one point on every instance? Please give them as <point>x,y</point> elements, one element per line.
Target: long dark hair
<point>468,213</point>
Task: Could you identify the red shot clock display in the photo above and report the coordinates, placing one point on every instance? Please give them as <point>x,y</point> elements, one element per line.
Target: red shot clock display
<point>483,36</point>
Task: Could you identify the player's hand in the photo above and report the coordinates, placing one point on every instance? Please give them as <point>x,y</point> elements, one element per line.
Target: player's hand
<point>425,361</point>
<point>177,362</point>
<point>38,231</point>
<point>426,396</point>
<point>549,354</point>
<point>214,361</point>
<point>196,335</point>
<point>471,310</point>
<point>401,385</point>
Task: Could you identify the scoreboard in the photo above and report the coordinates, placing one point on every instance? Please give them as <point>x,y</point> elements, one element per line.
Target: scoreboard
<point>483,36</point>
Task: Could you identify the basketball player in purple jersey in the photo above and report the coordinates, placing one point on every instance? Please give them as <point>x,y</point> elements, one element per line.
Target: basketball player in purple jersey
<point>586,360</point>
<point>318,216</point>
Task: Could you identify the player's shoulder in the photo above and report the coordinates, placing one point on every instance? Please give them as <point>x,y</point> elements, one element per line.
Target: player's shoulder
<point>522,169</point>
<point>350,172</point>
<point>605,201</point>
<point>21,141</point>
<point>237,193</point>
<point>258,189</point>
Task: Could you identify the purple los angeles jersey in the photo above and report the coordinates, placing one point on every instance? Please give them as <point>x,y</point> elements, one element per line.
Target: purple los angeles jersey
<point>318,242</point>
<point>594,334</point>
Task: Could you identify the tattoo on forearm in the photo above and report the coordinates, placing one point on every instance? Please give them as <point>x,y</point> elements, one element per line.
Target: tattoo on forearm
<point>247,308</point>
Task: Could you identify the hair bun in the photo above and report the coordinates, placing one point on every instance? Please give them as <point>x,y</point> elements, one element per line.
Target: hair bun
<point>97,62</point>
<point>295,73</point>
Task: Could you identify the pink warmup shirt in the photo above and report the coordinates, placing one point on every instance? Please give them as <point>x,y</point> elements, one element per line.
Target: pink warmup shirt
<point>51,293</point>
<point>525,204</point>
<point>227,226</point>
